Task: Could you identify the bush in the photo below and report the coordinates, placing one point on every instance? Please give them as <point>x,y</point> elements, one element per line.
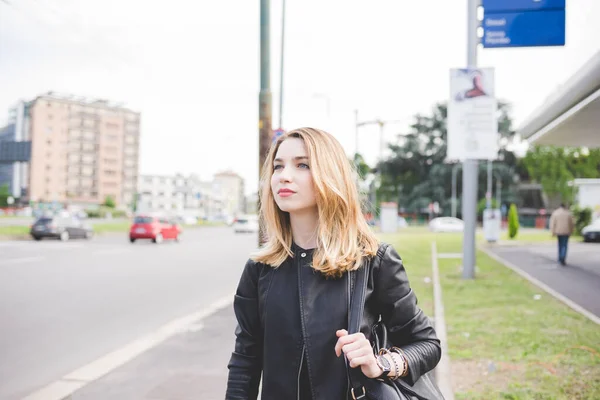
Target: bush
<point>103,212</point>
<point>583,217</point>
<point>93,213</point>
<point>482,204</point>
<point>513,221</point>
<point>109,202</point>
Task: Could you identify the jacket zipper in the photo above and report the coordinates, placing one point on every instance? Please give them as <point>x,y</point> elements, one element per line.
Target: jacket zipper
<point>299,271</point>
<point>300,371</point>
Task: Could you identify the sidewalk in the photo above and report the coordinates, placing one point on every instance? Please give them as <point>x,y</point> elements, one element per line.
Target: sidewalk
<point>189,365</point>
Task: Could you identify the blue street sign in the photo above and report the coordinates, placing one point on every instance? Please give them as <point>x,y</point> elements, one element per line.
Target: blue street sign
<point>521,5</point>
<point>523,29</point>
<point>277,133</point>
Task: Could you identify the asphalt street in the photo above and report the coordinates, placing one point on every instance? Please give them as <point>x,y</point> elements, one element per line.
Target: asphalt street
<point>64,305</point>
<point>579,280</point>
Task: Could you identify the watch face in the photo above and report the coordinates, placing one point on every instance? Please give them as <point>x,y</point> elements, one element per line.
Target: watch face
<point>383,363</point>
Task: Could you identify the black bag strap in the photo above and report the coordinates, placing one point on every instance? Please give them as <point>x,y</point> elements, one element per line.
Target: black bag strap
<point>355,313</point>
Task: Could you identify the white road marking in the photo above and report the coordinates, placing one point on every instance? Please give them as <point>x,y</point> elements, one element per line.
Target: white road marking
<point>68,384</point>
<point>21,260</point>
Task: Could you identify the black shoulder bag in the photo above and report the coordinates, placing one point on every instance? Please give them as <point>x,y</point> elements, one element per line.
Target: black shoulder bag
<point>363,388</point>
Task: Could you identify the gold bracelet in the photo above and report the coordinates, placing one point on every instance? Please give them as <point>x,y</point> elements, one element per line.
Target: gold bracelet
<point>401,353</point>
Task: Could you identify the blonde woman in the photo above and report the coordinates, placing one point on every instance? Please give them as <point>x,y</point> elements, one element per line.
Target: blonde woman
<point>292,301</point>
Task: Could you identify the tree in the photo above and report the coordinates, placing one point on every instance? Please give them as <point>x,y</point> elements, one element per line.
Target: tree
<point>417,172</point>
<point>361,166</point>
<point>555,167</point>
<point>109,202</point>
<point>513,221</point>
<point>4,195</point>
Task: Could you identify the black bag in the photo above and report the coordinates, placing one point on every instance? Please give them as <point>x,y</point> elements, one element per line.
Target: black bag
<point>363,388</point>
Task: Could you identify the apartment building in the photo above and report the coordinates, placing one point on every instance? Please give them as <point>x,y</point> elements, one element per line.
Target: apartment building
<point>229,188</point>
<point>188,195</point>
<point>15,175</point>
<point>83,150</point>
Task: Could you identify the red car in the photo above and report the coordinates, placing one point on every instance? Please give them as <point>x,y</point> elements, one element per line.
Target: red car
<point>155,228</point>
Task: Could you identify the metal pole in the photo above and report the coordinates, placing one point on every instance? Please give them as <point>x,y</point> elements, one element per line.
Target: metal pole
<point>470,167</point>
<point>356,130</point>
<point>265,130</point>
<point>454,171</point>
<point>381,140</point>
<point>488,195</point>
<point>356,151</point>
<point>282,64</point>
<point>498,193</point>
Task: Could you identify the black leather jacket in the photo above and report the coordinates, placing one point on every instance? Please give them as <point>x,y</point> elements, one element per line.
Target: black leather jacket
<point>289,315</point>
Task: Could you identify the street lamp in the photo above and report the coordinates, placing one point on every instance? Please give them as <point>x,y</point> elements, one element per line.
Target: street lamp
<point>381,125</point>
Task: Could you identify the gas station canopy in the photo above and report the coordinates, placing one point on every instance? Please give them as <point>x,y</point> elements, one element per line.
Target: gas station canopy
<point>571,115</point>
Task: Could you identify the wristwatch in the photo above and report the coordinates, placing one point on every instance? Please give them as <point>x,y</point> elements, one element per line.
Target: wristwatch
<point>384,365</point>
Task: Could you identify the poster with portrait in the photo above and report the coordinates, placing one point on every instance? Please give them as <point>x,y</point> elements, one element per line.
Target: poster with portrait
<point>472,115</point>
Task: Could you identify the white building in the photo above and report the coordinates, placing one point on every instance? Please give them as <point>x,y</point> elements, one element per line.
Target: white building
<point>179,195</point>
<point>229,188</point>
<point>588,195</point>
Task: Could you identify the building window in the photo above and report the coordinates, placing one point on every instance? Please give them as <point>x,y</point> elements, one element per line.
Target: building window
<point>89,135</point>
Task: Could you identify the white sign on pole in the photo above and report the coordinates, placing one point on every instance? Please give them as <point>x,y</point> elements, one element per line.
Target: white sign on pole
<point>472,115</point>
<point>389,217</point>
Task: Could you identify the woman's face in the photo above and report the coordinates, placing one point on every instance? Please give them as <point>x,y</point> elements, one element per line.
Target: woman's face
<point>292,182</point>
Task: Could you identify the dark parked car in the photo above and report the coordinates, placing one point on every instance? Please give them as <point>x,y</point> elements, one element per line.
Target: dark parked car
<point>63,228</point>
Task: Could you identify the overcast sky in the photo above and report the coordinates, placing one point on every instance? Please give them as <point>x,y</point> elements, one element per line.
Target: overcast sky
<point>192,67</point>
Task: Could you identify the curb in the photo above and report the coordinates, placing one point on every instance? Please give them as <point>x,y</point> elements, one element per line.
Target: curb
<point>63,388</point>
<point>576,307</point>
<point>443,372</point>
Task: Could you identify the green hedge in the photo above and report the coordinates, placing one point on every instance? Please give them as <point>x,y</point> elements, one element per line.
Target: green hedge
<point>583,217</point>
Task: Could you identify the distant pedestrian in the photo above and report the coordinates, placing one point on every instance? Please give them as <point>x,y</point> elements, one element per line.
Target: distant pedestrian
<point>562,225</point>
<point>292,303</point>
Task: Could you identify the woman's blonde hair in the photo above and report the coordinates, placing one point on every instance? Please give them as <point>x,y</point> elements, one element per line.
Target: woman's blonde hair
<point>344,238</point>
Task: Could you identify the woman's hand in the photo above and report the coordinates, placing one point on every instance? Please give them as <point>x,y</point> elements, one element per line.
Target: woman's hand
<point>359,352</point>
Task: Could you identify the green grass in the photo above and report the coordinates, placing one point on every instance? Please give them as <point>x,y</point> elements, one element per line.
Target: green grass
<point>108,227</point>
<point>14,230</point>
<point>414,247</point>
<point>503,343</point>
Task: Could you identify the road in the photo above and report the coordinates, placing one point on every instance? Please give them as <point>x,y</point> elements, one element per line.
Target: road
<point>578,281</point>
<point>64,305</point>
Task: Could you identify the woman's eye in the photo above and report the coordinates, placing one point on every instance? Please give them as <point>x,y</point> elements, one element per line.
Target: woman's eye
<point>277,167</point>
<point>302,165</point>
